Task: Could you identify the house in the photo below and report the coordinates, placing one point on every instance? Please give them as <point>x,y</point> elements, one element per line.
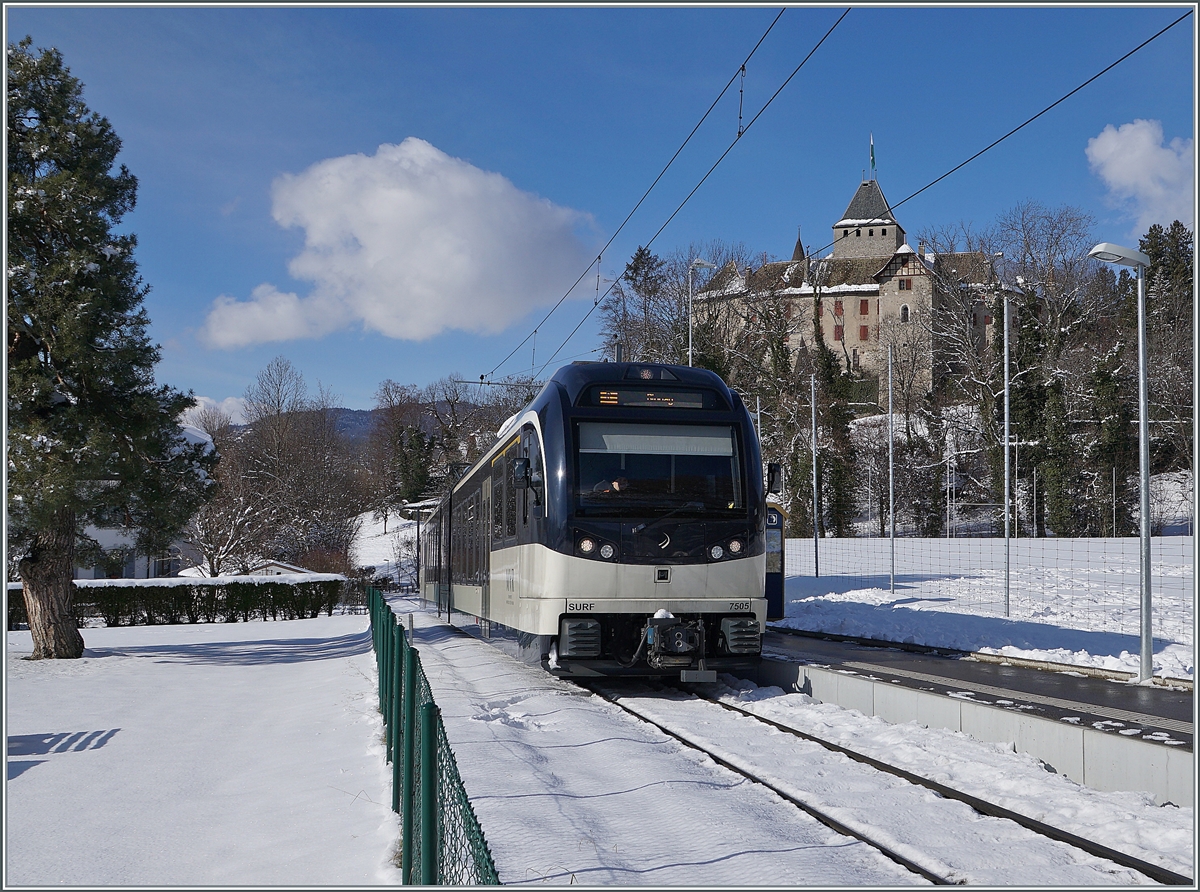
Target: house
<point>870,291</point>
<point>276,568</point>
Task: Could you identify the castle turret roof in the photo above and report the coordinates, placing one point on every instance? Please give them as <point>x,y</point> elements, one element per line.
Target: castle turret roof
<point>867,206</point>
<point>798,251</point>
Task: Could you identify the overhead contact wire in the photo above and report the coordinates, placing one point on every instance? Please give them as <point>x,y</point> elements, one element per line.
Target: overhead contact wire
<point>703,179</point>
<point>740,70</point>
<point>1059,101</point>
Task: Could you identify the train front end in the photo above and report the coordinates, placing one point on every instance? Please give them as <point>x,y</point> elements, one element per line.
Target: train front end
<point>664,525</point>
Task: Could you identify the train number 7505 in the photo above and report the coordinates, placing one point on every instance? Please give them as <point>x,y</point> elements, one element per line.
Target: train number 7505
<point>739,605</point>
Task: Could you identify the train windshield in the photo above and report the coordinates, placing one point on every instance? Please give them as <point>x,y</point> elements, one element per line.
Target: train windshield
<point>654,468</point>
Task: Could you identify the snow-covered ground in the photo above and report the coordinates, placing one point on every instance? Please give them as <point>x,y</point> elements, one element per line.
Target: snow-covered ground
<point>1073,601</point>
<point>390,548</point>
<point>251,754</point>
<point>224,754</point>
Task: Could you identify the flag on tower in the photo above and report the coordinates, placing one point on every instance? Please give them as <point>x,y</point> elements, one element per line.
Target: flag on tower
<point>872,156</point>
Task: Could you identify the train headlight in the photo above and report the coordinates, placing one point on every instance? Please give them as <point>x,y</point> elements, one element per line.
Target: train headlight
<point>735,547</point>
<point>607,551</point>
<point>716,552</point>
<point>586,545</point>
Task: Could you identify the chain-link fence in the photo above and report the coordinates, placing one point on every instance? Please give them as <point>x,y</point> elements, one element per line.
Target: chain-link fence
<point>441,840</point>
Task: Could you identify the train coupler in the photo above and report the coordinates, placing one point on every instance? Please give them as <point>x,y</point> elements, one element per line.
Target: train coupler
<point>673,643</point>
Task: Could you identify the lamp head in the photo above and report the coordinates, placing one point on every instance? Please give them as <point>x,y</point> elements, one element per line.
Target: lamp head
<point>701,263</point>
<point>1110,253</point>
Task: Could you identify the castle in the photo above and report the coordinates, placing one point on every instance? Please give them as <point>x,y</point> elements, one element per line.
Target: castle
<point>871,291</point>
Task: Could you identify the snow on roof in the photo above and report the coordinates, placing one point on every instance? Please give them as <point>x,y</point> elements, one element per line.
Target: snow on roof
<point>193,436</point>
<point>170,581</point>
<point>864,221</point>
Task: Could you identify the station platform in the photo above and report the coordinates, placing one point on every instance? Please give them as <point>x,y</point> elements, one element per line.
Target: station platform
<point>1106,734</point>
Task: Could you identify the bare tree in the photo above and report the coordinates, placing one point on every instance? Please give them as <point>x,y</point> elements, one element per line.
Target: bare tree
<point>647,309</point>
<point>230,529</point>
<point>397,427</point>
<point>911,343</point>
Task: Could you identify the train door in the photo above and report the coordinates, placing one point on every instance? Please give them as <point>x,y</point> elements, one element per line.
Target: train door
<point>485,575</point>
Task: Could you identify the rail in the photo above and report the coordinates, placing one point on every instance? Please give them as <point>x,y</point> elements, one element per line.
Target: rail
<point>901,854</point>
<point>441,842</point>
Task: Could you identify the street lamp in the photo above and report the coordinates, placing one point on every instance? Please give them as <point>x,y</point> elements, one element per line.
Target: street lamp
<point>698,263</point>
<point>1110,253</point>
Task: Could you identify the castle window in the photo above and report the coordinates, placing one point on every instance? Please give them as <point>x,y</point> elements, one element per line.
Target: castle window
<point>905,284</point>
<point>857,233</point>
<point>837,308</point>
<point>854,358</point>
<point>845,232</point>
<point>870,232</point>
<point>838,333</point>
<point>864,333</point>
<point>987,320</point>
<point>883,231</point>
<point>904,313</point>
<point>864,307</point>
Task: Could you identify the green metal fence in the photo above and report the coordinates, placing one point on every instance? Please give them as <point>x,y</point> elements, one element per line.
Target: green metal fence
<point>441,842</point>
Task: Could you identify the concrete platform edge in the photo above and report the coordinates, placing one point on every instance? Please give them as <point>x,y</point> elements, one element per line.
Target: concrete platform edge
<point>1096,759</point>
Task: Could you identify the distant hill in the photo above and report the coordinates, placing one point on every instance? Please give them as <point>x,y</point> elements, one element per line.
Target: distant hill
<point>356,424</point>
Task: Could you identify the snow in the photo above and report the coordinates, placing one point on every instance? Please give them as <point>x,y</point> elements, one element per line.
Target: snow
<point>251,754</point>
<point>186,579</point>
<point>244,754</point>
<point>391,553</point>
<point>1071,601</point>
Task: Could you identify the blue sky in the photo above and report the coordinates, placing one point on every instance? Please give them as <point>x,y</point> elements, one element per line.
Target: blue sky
<point>402,193</point>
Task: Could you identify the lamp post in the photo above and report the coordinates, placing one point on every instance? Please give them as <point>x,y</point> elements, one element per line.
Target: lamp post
<point>698,263</point>
<point>1110,253</point>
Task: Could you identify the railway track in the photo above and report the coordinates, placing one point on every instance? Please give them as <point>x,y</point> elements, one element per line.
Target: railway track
<point>877,806</point>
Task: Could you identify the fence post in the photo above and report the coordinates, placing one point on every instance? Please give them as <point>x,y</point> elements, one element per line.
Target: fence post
<point>407,755</point>
<point>429,794</point>
<point>397,679</point>
<point>385,682</point>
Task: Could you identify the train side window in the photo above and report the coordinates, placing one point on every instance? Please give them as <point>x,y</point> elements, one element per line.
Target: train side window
<point>510,492</point>
<point>497,501</point>
<point>533,495</point>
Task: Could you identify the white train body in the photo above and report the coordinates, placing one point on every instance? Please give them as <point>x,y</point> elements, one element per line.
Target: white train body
<point>617,527</point>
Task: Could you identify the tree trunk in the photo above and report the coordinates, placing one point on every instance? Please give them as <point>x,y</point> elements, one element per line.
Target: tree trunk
<point>48,589</point>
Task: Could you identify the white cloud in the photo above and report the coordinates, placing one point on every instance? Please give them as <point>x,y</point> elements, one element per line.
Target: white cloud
<point>1152,180</point>
<point>408,242</point>
<point>233,406</point>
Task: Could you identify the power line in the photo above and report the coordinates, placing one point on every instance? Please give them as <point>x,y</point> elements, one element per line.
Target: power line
<point>742,132</point>
<point>1034,118</point>
<point>740,71</point>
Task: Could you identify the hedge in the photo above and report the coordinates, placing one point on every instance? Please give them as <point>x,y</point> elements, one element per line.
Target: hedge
<point>193,599</point>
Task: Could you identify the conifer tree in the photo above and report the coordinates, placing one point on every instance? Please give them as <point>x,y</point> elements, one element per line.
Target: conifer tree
<point>92,439</point>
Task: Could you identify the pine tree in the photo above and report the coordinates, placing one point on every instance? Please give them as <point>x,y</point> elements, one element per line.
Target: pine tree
<point>91,438</point>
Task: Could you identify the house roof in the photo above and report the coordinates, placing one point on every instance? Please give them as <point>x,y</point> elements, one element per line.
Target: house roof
<point>850,271</point>
<point>867,206</point>
<point>292,568</point>
<point>973,267</point>
<point>798,251</point>
<point>792,276</point>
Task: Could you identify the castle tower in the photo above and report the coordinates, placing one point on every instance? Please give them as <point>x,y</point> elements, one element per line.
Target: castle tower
<point>867,228</point>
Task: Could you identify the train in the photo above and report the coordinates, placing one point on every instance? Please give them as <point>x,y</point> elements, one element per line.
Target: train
<point>615,528</point>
